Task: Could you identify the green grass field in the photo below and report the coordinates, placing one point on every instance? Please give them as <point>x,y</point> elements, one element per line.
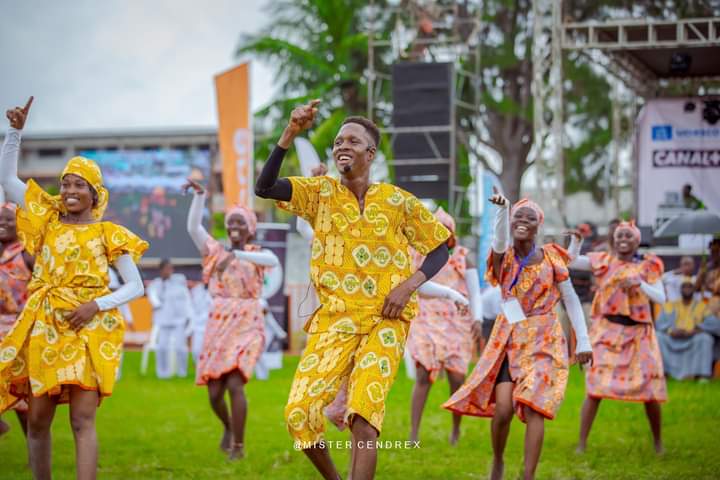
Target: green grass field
<point>165,430</point>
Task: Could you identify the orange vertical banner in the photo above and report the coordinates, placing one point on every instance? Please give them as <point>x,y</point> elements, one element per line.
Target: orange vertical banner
<point>232,89</point>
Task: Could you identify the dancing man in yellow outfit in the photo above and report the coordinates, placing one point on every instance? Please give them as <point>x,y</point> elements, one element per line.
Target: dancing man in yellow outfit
<point>361,269</point>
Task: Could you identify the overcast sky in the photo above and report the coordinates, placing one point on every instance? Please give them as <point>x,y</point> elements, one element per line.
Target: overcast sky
<point>122,63</point>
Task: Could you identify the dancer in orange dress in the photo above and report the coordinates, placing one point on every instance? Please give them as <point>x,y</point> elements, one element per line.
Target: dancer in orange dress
<point>628,364</point>
<point>235,332</point>
<point>441,336</point>
<point>524,367</point>
<point>15,270</point>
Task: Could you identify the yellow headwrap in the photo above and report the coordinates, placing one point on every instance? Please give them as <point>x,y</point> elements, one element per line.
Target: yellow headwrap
<point>90,172</point>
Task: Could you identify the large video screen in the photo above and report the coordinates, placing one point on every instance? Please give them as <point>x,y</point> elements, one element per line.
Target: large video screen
<point>145,194</point>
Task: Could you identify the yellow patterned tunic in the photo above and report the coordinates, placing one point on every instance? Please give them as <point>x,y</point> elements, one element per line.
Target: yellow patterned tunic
<point>356,260</point>
<point>42,353</point>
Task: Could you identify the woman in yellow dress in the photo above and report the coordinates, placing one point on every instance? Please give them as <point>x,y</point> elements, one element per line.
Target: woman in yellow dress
<point>65,346</point>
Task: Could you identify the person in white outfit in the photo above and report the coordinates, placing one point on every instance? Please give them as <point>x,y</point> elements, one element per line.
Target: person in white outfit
<point>201,301</point>
<point>172,311</point>
<point>674,279</point>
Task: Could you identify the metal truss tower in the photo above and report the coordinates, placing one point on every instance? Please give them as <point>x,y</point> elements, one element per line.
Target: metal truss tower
<point>426,31</point>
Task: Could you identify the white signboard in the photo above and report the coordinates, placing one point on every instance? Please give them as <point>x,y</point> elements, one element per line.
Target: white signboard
<point>676,147</point>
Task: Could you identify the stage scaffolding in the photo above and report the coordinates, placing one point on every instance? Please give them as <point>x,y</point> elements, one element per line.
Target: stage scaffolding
<point>637,53</point>
<point>453,37</point>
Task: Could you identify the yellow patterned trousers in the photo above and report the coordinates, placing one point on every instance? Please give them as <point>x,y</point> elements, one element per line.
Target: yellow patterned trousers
<point>368,362</point>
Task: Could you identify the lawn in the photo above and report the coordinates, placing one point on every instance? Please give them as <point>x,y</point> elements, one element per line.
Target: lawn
<point>153,429</point>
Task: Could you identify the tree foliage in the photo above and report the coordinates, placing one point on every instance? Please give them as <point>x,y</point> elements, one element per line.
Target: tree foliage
<point>319,50</point>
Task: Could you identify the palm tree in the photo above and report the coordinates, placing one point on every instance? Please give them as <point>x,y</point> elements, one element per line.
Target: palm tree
<point>319,50</point>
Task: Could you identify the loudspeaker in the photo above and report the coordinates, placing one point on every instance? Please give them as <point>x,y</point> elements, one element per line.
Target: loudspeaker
<point>423,97</point>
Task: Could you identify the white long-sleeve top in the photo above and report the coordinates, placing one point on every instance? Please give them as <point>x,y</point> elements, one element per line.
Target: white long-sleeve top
<point>171,301</point>
<point>573,307</point>
<point>15,188</point>
<point>114,285</point>
<point>437,290</point>
<point>200,236</point>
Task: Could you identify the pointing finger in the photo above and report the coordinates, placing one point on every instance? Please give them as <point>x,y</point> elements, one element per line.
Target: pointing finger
<point>314,103</point>
<point>26,108</point>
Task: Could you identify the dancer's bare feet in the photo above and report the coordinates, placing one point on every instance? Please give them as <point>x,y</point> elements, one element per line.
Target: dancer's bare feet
<point>581,448</point>
<point>237,452</point>
<point>454,437</point>
<point>226,442</point>
<point>498,469</point>
<point>659,449</point>
<point>4,427</point>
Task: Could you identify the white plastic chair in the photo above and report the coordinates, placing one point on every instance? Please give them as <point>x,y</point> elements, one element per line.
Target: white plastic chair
<point>150,345</point>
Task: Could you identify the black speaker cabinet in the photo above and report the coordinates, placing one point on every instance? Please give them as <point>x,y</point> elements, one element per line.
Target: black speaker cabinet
<point>423,97</point>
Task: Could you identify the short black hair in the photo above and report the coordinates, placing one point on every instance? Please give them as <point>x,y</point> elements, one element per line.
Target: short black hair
<point>164,262</point>
<point>369,126</point>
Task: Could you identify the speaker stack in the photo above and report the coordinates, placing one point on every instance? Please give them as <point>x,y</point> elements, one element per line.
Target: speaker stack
<point>423,128</point>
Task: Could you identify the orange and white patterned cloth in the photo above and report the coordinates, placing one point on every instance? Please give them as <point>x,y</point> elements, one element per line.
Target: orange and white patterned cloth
<point>627,363</point>
<point>235,332</point>
<point>42,354</point>
<point>536,348</point>
<point>357,258</point>
<point>440,337</point>
<point>14,277</point>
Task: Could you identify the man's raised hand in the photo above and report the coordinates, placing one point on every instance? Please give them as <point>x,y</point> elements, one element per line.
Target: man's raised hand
<point>302,117</point>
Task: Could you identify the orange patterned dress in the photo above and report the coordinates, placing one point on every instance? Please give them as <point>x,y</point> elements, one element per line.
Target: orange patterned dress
<point>441,338</point>
<point>14,277</point>
<point>536,348</point>
<point>627,361</point>
<point>235,332</point>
